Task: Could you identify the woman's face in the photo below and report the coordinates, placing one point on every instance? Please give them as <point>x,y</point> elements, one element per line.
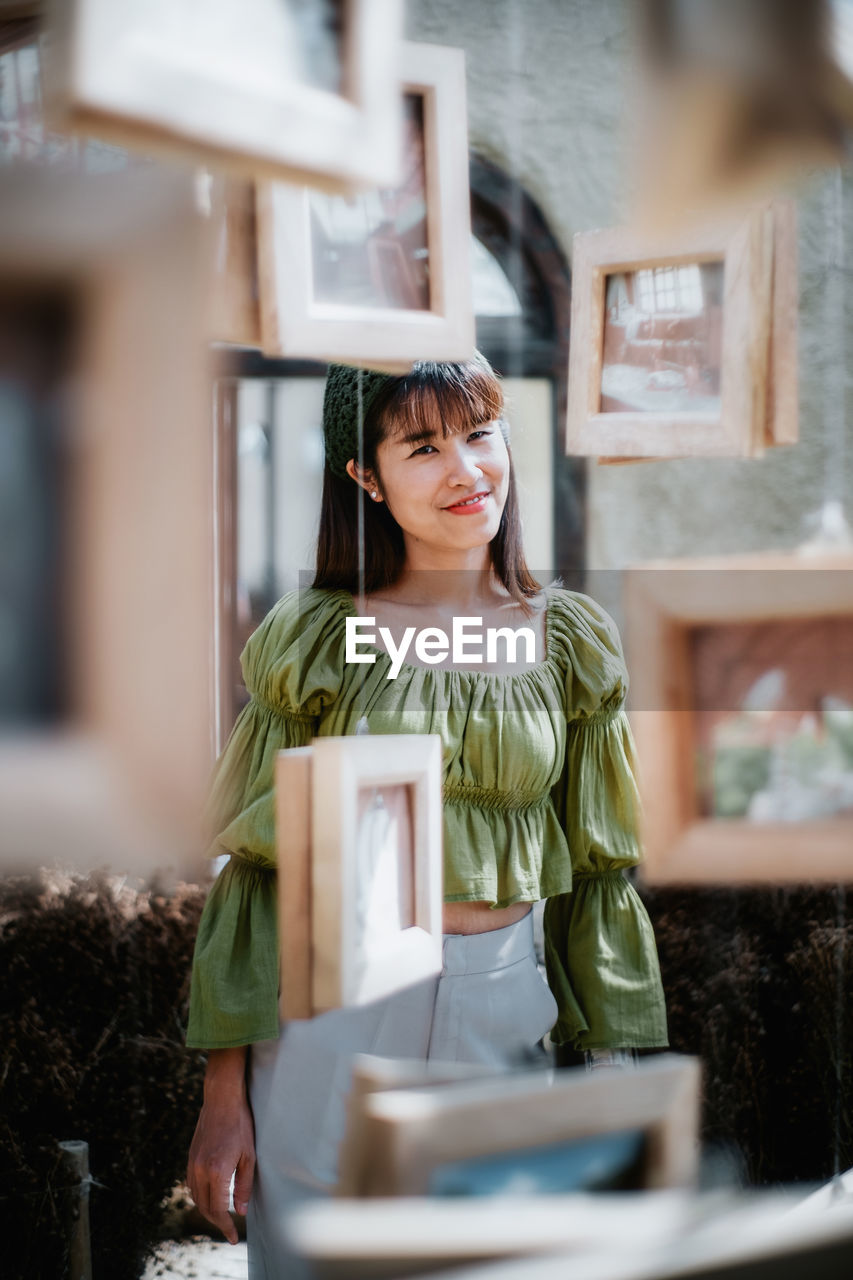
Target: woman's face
<point>446,492</point>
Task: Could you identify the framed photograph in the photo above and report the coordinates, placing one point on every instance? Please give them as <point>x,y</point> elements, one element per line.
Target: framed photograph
<point>360,853</point>
<point>383,276</point>
<point>742,710</point>
<point>479,1136</point>
<point>107,502</point>
<point>294,90</point>
<point>685,347</point>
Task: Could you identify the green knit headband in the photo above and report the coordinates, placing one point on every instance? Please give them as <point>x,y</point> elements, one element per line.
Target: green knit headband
<point>340,411</point>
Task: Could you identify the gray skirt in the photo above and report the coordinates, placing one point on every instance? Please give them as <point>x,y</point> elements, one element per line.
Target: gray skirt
<point>489,1005</point>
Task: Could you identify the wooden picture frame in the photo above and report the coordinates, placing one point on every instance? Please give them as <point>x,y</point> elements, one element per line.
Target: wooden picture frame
<point>297,322</point>
<point>412,1133</point>
<point>335,950</point>
<point>136,71</point>
<point>686,622</point>
<point>117,773</point>
<point>735,358</point>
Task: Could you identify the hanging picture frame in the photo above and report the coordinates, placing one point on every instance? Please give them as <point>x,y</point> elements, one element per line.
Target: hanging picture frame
<point>685,345</point>
<point>360,858</point>
<point>423,1139</point>
<point>742,711</point>
<point>294,91</point>
<point>781,424</point>
<point>383,277</point>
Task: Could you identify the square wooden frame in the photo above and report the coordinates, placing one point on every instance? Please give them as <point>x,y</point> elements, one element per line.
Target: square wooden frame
<point>316,798</point>
<point>409,1132</point>
<point>156,100</point>
<point>759,360</point>
<point>664,601</point>
<point>120,782</point>
<point>293,324</point>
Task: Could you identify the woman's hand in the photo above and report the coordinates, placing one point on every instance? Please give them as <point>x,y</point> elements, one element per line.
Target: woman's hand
<point>224,1141</point>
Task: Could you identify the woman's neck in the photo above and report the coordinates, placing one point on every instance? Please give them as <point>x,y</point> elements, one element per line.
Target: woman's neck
<point>458,580</point>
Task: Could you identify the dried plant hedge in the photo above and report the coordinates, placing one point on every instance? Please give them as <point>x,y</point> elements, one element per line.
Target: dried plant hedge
<point>759,984</point>
<point>92,1009</point>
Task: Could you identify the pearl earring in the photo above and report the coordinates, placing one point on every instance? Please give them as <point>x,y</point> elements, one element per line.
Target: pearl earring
<point>373,493</point>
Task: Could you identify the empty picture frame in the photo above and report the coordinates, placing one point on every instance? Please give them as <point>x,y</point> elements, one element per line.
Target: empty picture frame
<point>413,1135</point>
<point>294,91</point>
<point>359,834</point>
<point>742,711</point>
<point>686,346</point>
<point>382,277</point>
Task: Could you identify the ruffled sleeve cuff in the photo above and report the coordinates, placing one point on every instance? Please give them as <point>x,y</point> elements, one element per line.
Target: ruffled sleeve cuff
<point>603,968</point>
<point>234,989</point>
<point>599,943</point>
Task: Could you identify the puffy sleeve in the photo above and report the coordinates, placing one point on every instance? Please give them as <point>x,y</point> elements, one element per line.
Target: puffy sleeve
<point>292,667</point>
<point>599,944</point>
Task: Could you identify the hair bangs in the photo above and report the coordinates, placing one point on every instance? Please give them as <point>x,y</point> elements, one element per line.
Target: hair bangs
<point>441,399</point>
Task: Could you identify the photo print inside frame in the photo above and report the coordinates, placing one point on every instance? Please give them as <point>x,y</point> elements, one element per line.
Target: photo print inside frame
<point>385,849</point>
<point>774,704</point>
<point>371,249</point>
<point>663,339</point>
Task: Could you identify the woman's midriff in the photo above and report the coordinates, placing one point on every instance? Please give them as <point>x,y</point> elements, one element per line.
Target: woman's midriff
<point>480,917</point>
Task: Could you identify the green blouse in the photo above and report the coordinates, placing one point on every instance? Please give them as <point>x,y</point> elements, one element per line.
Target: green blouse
<point>540,801</point>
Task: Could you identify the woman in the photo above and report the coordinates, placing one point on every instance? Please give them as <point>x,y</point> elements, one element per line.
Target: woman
<point>539,794</point>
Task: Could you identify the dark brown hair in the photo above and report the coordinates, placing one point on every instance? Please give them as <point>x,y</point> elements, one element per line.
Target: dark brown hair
<point>434,397</point>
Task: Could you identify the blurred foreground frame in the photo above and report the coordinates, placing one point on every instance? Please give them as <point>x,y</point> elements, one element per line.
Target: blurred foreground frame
<point>706,641</point>
<point>405,1122</point>
<point>736,98</point>
<point>221,83</point>
<point>114,773</point>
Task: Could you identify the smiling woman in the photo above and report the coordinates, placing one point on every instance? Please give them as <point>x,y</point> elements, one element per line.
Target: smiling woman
<point>420,537</point>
